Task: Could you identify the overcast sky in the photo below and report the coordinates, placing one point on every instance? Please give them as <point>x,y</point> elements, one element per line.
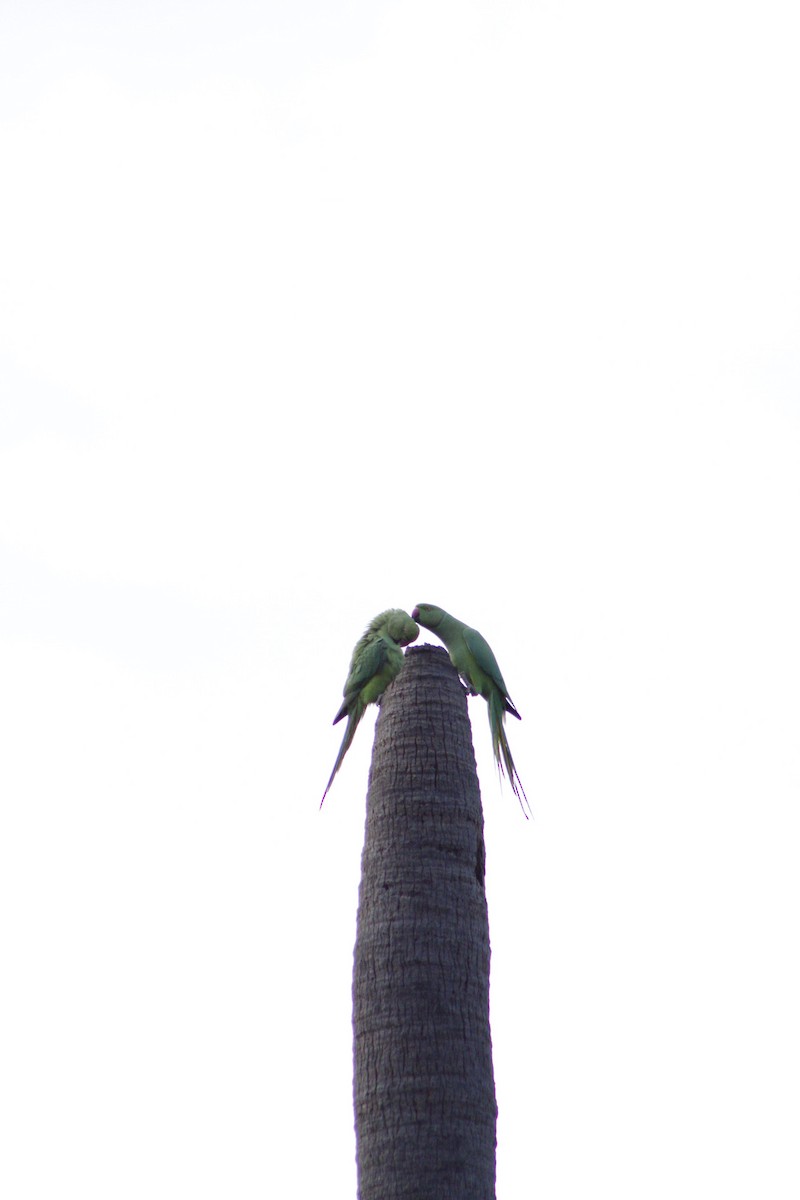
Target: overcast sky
<point>308,310</point>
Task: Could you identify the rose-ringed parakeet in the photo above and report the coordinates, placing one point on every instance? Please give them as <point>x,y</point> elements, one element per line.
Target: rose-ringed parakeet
<point>377,659</point>
<point>472,657</point>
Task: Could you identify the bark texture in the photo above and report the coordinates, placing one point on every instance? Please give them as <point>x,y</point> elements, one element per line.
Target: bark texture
<point>425,1105</point>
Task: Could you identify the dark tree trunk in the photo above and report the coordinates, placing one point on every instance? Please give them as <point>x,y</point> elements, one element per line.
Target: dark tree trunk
<point>424,1086</point>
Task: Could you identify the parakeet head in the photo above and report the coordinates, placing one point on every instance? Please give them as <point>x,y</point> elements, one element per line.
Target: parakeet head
<point>398,625</point>
<point>428,615</point>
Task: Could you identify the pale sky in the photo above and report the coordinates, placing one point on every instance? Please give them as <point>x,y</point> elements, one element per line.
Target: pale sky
<point>309,310</point>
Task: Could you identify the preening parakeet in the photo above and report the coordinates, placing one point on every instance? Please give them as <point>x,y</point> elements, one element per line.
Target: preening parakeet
<point>377,659</point>
<point>472,657</point>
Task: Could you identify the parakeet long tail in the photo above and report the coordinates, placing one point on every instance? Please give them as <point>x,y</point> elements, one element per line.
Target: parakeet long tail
<point>349,733</point>
<point>498,706</point>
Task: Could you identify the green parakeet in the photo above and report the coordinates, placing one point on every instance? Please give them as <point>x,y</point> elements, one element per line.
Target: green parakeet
<point>377,659</point>
<point>472,657</point>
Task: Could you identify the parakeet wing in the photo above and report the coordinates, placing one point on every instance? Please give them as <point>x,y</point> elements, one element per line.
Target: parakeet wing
<point>481,651</point>
<point>367,664</point>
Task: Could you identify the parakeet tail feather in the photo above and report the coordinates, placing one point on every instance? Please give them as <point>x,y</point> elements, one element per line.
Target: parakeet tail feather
<point>502,750</point>
<point>349,733</point>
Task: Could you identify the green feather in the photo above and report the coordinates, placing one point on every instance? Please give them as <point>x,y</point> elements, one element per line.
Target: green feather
<point>472,657</point>
<point>377,659</point>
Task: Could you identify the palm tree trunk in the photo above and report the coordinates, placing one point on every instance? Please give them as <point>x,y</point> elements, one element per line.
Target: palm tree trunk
<point>425,1105</point>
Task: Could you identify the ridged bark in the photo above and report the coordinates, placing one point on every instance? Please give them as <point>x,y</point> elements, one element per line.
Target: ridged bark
<point>425,1105</point>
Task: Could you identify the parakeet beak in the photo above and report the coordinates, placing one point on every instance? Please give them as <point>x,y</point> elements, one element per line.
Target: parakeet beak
<point>415,614</point>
